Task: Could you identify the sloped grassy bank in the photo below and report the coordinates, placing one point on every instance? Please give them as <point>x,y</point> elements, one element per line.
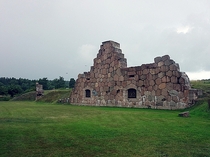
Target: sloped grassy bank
<point>50,96</point>
<point>53,96</point>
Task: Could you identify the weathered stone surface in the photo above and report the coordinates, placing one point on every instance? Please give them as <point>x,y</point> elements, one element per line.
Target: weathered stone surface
<point>143,77</point>
<point>158,81</point>
<point>165,79</point>
<point>155,87</point>
<point>152,71</point>
<point>157,70</point>
<point>157,59</point>
<point>124,84</point>
<point>174,67</point>
<point>184,114</point>
<point>145,71</point>
<point>111,82</point>
<point>121,78</point>
<point>151,82</point>
<point>164,68</point>
<point>146,83</point>
<point>149,88</point>
<point>169,62</point>
<point>175,99</point>
<point>162,86</point>
<point>158,92</point>
<point>173,93</point>
<point>131,73</point>
<point>116,77</point>
<point>166,57</point>
<point>161,74</point>
<point>181,80</point>
<point>140,83</point>
<point>164,92</point>
<point>149,76</point>
<point>161,63</point>
<point>177,87</point>
<point>174,79</point>
<point>169,73</point>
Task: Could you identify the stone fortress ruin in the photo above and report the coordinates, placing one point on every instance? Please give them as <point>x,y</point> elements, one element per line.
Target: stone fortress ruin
<point>159,85</point>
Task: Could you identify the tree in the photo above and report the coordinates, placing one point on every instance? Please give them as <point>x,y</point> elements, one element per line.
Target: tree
<point>44,83</point>
<point>3,90</point>
<point>71,83</point>
<point>14,89</point>
<point>59,83</point>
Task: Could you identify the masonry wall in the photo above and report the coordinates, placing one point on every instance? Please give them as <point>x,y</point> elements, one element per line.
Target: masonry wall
<point>111,83</point>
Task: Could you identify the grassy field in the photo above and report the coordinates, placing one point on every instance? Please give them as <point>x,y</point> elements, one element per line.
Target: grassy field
<point>43,129</point>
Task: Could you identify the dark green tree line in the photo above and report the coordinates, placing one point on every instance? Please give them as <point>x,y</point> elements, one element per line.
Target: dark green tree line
<point>71,83</point>
<point>13,86</point>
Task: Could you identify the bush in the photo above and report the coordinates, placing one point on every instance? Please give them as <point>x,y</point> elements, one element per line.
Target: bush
<point>5,98</point>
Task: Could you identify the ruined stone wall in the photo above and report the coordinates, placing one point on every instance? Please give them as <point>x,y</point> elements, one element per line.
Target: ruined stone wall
<point>111,83</point>
<point>39,91</point>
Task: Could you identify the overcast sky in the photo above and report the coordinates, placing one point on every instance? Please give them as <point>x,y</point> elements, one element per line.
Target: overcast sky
<point>52,38</point>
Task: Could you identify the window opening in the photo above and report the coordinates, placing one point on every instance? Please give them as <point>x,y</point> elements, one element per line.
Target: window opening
<point>130,76</point>
<point>131,93</point>
<point>87,93</point>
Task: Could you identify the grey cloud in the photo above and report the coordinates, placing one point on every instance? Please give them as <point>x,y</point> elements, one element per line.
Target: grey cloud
<point>44,38</point>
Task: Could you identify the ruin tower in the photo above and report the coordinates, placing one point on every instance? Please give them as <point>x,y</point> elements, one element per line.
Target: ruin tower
<point>111,83</point>
<point>39,91</point>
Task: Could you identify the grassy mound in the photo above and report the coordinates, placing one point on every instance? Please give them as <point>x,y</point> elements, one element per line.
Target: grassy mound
<point>30,96</point>
<point>53,96</point>
<point>200,109</point>
<point>204,85</point>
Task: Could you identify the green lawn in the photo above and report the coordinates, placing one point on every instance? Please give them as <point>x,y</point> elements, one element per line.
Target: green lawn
<point>42,129</point>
